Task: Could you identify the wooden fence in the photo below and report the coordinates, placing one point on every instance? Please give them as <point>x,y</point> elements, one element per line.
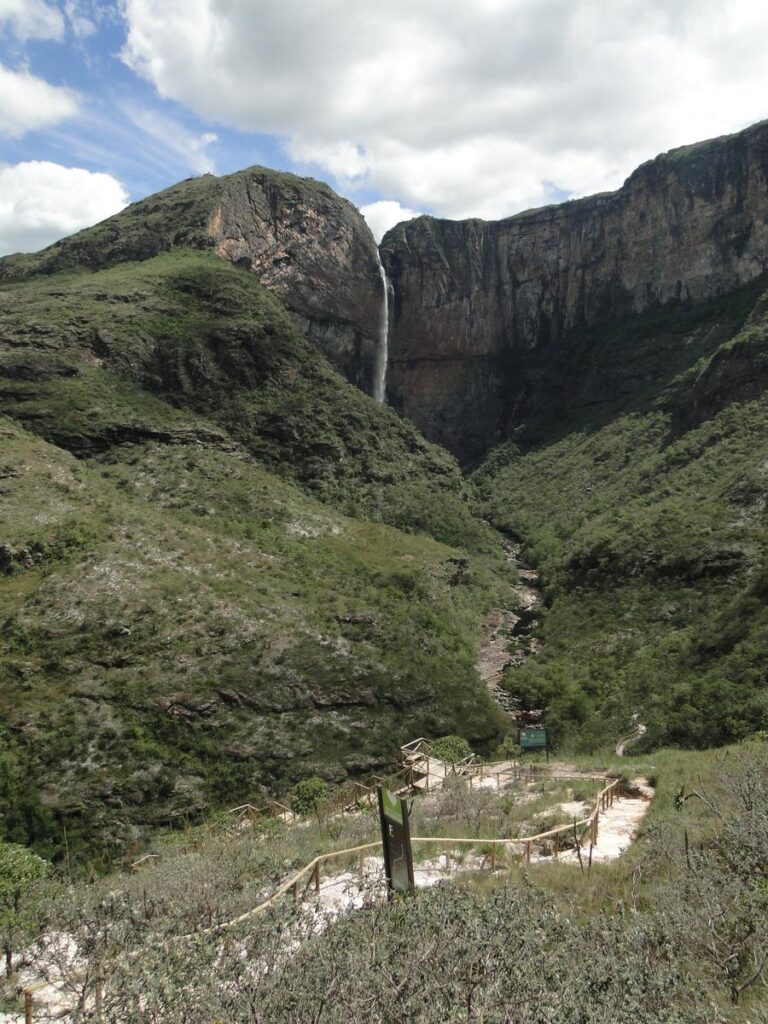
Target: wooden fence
<point>309,876</point>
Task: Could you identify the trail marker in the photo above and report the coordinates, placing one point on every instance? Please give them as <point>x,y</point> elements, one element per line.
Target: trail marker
<point>396,840</point>
<point>534,738</point>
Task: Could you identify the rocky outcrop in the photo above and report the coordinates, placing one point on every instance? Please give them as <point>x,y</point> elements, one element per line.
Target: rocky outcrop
<point>315,252</point>
<point>309,246</point>
<point>737,371</point>
<point>482,310</point>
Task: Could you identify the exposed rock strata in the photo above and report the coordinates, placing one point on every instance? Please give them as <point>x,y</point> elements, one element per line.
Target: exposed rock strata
<point>306,244</point>
<point>482,309</point>
<point>315,251</point>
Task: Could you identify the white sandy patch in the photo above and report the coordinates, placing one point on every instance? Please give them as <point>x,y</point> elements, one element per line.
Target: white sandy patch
<point>575,809</point>
<point>617,826</point>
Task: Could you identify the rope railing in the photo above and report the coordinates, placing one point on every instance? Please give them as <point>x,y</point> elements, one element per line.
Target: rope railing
<point>312,873</point>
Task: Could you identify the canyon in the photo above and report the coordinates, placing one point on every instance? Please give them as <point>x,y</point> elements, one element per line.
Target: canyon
<point>489,318</point>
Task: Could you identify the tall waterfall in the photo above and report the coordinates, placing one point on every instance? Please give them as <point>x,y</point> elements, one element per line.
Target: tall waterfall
<point>382,352</point>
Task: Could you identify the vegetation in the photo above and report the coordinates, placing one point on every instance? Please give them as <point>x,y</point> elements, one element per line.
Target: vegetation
<point>674,931</point>
<point>307,795</point>
<point>450,748</point>
<point>649,532</point>
<point>21,872</point>
<point>222,568</point>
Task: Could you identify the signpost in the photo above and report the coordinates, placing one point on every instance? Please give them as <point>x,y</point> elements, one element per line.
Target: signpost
<point>396,840</point>
<point>534,738</point>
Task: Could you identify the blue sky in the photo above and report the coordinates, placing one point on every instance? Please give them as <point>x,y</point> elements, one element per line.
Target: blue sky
<point>413,106</point>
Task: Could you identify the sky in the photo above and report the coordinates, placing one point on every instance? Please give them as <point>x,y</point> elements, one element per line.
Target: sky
<point>446,107</point>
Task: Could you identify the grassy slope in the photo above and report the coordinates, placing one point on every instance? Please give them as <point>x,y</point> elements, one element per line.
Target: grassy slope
<point>650,527</point>
<point>645,937</point>
<point>210,598</point>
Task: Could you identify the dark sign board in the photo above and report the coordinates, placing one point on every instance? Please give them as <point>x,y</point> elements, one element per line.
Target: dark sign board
<point>396,838</point>
<point>533,738</point>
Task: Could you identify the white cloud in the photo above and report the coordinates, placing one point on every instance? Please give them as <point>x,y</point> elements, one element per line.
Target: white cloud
<point>384,214</point>
<point>28,103</point>
<point>41,202</point>
<point>32,19</point>
<point>469,109</point>
<point>190,149</point>
<point>82,26</point>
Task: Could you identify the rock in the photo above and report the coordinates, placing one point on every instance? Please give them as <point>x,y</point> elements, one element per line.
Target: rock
<point>312,249</point>
<point>309,246</point>
<point>483,311</point>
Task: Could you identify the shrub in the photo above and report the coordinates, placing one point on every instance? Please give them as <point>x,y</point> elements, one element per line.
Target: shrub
<point>307,795</point>
<point>450,749</point>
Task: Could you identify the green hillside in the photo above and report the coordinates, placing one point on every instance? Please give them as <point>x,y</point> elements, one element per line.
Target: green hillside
<point>222,568</point>
<point>648,520</point>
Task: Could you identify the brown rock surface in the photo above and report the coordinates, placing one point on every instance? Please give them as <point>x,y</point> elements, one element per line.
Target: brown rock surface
<point>312,249</point>
<point>477,301</point>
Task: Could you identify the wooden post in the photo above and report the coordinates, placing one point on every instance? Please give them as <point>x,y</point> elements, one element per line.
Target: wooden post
<point>317,877</point>
<point>447,856</point>
<point>557,844</point>
<point>361,865</point>
<point>470,781</point>
<point>296,891</point>
<point>493,857</point>
<point>527,853</point>
<point>27,1006</point>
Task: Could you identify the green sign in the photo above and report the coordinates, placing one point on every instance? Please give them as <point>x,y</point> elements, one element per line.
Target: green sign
<point>391,805</point>
<point>396,841</point>
<point>533,738</point>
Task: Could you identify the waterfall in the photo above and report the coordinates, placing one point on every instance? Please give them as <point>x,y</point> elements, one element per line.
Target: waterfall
<point>382,352</point>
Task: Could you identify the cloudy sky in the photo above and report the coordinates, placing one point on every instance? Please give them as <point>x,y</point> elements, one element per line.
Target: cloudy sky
<point>442,106</point>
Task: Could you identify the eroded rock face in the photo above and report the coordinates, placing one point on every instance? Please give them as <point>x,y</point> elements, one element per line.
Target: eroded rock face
<point>303,242</point>
<point>314,250</point>
<point>477,304</point>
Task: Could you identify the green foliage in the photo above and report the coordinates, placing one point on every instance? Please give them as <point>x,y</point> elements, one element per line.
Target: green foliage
<point>650,537</point>
<point>244,561</point>
<point>307,795</point>
<point>508,750</point>
<point>21,871</point>
<point>450,748</point>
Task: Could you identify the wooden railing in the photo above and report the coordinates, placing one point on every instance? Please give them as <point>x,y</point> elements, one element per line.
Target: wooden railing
<point>309,876</point>
<point>311,872</point>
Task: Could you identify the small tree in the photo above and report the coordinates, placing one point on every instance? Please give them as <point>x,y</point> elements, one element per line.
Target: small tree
<point>509,749</point>
<point>21,872</point>
<point>307,795</point>
<point>450,749</point>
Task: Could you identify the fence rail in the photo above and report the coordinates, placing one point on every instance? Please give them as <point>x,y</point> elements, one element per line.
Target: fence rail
<point>311,873</point>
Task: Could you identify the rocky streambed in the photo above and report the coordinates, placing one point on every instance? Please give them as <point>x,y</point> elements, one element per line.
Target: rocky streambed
<point>509,633</point>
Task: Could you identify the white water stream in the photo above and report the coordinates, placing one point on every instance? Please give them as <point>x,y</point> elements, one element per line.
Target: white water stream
<point>382,352</point>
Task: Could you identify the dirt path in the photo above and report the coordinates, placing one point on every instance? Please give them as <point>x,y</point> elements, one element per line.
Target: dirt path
<point>507,636</point>
<point>618,825</point>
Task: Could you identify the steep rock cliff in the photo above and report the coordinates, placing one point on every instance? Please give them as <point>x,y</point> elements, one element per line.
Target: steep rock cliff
<point>484,311</point>
<point>309,246</point>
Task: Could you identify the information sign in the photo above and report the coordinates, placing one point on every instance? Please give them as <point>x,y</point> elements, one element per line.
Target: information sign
<point>396,839</point>
<point>533,738</point>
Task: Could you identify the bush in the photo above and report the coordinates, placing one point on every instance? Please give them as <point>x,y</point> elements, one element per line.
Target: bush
<point>450,749</point>
<point>508,750</point>
<point>307,795</point>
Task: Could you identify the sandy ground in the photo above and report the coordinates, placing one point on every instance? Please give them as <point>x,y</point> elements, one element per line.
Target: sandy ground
<point>349,890</point>
<point>617,827</point>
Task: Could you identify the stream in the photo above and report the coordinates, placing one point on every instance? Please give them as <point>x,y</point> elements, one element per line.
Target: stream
<point>508,632</point>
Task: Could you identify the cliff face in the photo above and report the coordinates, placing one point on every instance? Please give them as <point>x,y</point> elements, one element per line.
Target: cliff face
<point>310,247</point>
<point>484,310</point>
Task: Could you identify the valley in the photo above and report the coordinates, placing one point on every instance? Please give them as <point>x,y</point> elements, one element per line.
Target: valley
<point>226,571</point>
